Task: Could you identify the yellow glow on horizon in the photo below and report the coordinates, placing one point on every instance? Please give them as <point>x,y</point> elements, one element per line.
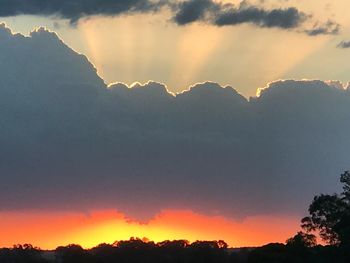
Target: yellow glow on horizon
<point>49,230</point>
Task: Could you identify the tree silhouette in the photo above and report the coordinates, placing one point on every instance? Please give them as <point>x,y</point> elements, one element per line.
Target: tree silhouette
<point>302,240</point>
<point>25,253</point>
<point>71,254</point>
<point>330,215</point>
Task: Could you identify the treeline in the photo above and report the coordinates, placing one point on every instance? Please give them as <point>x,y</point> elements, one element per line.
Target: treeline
<point>296,250</point>
<point>329,217</point>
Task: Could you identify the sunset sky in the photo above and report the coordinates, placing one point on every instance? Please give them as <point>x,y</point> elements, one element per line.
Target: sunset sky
<point>168,119</point>
<point>129,46</point>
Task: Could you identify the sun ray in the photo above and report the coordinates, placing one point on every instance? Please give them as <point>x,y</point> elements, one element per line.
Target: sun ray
<point>195,46</point>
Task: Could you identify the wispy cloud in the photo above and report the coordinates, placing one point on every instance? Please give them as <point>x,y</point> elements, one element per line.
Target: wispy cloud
<point>328,28</point>
<point>344,44</point>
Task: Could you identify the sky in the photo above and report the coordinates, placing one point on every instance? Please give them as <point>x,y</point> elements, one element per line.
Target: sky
<point>129,45</point>
<point>159,119</point>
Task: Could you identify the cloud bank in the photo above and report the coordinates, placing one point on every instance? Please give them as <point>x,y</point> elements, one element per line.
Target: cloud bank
<point>70,142</point>
<point>184,12</point>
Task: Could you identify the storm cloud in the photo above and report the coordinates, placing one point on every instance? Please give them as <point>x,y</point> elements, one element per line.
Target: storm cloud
<point>70,142</point>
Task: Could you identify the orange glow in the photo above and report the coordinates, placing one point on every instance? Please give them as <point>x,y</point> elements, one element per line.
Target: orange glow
<point>49,230</point>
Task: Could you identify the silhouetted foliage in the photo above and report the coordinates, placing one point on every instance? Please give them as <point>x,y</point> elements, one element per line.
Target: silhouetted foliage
<point>330,215</point>
<point>302,240</point>
<point>299,249</point>
<point>21,253</point>
<point>271,253</point>
<point>71,254</point>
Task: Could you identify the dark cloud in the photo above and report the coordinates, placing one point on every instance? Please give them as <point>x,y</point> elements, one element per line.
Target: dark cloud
<point>219,14</point>
<point>282,18</point>
<point>76,9</point>
<point>69,142</point>
<point>344,44</point>
<point>184,12</point>
<point>328,28</point>
<point>228,14</point>
<point>193,10</point>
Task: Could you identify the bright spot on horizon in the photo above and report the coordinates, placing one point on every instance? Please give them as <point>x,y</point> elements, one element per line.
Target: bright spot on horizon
<point>48,230</point>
